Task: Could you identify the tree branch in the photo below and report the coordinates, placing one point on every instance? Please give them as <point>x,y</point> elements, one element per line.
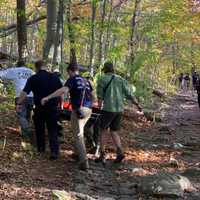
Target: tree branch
<point>5,31</point>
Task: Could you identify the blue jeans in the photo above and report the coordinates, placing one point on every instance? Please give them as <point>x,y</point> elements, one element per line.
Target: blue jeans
<point>24,115</point>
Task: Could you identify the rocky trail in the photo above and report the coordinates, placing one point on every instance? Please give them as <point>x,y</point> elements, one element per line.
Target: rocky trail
<point>171,146</point>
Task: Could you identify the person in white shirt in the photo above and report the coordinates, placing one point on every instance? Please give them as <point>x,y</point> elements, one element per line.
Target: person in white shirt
<point>19,75</point>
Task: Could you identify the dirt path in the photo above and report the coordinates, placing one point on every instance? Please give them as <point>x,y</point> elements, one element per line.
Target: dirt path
<point>150,148</point>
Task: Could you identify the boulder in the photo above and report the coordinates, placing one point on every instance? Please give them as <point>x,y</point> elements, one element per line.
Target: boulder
<point>165,185</point>
<point>63,195</point>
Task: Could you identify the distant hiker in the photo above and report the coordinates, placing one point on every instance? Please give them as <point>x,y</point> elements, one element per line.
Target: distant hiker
<point>198,90</point>
<point>112,89</point>
<point>19,75</point>
<point>187,81</point>
<point>194,80</point>
<point>81,99</point>
<point>42,84</point>
<point>180,79</point>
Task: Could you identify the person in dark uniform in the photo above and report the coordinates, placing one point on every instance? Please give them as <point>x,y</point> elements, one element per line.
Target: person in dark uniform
<point>187,80</point>
<point>81,98</point>
<point>42,84</point>
<point>198,90</point>
<point>194,80</point>
<point>61,99</point>
<point>180,79</point>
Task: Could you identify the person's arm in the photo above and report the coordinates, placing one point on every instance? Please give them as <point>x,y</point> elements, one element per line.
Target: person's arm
<point>57,93</point>
<point>129,95</point>
<point>92,91</point>
<point>100,103</point>
<point>100,93</point>
<point>7,74</point>
<point>27,89</point>
<point>135,102</point>
<point>20,101</point>
<point>21,98</point>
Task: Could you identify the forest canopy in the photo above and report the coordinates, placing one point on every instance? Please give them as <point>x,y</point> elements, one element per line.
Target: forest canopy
<point>149,41</point>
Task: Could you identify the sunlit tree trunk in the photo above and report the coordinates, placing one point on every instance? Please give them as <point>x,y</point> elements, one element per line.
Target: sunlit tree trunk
<point>108,31</point>
<point>51,27</point>
<point>174,55</point>
<point>103,15</point>
<point>58,38</point>
<point>192,56</point>
<point>92,42</point>
<point>73,58</point>
<point>21,29</point>
<point>133,38</point>
<point>62,4</point>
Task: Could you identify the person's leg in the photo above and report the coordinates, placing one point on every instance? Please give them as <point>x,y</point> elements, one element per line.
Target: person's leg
<point>29,108</point>
<point>198,93</point>
<point>117,141</point>
<point>59,127</point>
<point>115,127</point>
<point>51,120</point>
<point>104,123</point>
<point>29,115</point>
<point>78,130</point>
<point>96,136</point>
<point>24,124</point>
<point>39,123</point>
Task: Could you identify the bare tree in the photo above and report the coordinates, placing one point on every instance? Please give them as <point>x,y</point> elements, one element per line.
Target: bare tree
<point>21,29</point>
<point>103,15</point>
<point>51,27</point>
<point>133,37</point>
<point>73,58</point>
<point>58,37</point>
<point>92,42</point>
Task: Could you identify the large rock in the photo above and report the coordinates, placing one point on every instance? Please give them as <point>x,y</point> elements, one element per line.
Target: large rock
<point>63,195</point>
<point>165,184</point>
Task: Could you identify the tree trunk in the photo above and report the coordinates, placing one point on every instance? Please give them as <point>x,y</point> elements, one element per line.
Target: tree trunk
<point>108,31</point>
<point>51,27</point>
<point>192,56</point>
<point>103,15</point>
<point>92,43</point>
<point>21,29</point>
<point>57,41</point>
<point>62,30</point>
<point>174,55</point>
<point>133,32</point>
<point>73,58</point>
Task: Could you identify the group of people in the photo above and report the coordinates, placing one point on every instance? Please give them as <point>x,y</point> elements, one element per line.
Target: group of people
<point>43,89</point>
<point>184,83</point>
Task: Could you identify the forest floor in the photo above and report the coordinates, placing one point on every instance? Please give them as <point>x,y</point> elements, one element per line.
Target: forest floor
<point>149,149</point>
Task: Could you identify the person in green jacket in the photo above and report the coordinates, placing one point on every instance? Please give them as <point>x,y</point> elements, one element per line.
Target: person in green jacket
<point>112,90</point>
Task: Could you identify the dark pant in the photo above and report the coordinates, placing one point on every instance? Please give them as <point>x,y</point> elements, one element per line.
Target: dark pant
<point>48,116</point>
<point>110,120</point>
<point>198,93</point>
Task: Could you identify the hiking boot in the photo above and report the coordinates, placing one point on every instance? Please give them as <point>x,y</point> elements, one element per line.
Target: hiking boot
<point>102,159</point>
<point>61,139</point>
<point>40,154</point>
<point>75,157</point>
<point>119,158</point>
<point>53,156</point>
<point>84,166</point>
